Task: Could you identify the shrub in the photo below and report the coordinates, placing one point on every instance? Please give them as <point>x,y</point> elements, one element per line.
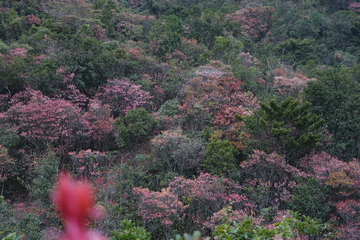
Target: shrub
<point>46,170</point>
<point>138,125</point>
<point>220,157</point>
<point>308,198</point>
<point>128,231</point>
<point>123,96</point>
<point>178,153</point>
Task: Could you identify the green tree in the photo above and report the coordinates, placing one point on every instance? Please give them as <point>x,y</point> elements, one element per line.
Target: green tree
<point>288,127</point>
<point>167,33</point>
<point>336,95</point>
<point>137,125</point>
<point>226,49</point>
<point>220,157</point>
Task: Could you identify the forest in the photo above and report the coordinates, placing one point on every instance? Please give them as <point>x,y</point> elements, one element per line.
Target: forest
<point>179,119</point>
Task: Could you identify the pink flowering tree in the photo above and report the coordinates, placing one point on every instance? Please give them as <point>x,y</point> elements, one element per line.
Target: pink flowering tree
<point>42,121</point>
<point>193,202</point>
<point>123,96</point>
<point>161,207</point>
<point>289,83</point>
<point>342,178</point>
<point>255,22</point>
<point>208,194</point>
<point>269,176</point>
<point>87,163</point>
<point>220,97</point>
<point>67,90</point>
<point>31,19</point>
<point>99,124</point>
<point>348,219</point>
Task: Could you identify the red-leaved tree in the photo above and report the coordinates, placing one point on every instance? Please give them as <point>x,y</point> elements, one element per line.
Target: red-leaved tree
<point>123,96</point>
<point>43,121</point>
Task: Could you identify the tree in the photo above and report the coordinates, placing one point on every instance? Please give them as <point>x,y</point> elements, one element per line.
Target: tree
<point>289,126</point>
<point>138,125</point>
<point>166,34</point>
<point>220,157</point>
<point>122,96</point>
<point>42,121</point>
<point>336,95</point>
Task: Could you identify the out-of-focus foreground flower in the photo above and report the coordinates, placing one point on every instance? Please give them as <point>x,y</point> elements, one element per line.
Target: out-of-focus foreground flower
<point>75,202</point>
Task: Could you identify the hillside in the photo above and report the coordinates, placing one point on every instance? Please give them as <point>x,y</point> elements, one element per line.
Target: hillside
<point>221,118</point>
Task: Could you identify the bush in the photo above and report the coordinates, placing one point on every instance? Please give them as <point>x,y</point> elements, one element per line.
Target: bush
<point>308,198</point>
<point>178,153</point>
<point>128,231</point>
<point>137,125</point>
<point>220,157</point>
<point>294,227</point>
<point>28,224</point>
<point>169,108</point>
<point>46,171</point>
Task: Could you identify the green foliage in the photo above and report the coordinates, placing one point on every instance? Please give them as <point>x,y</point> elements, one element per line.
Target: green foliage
<point>287,228</point>
<point>46,172</point>
<point>12,236</point>
<point>115,194</point>
<point>177,153</point>
<point>29,225</point>
<point>137,125</point>
<point>336,96</point>
<point>169,108</point>
<point>290,125</point>
<point>226,49</point>
<point>167,33</point>
<point>128,231</point>
<point>4,48</point>
<point>297,52</point>
<point>172,84</point>
<point>308,198</point>
<point>195,236</point>
<point>220,157</point>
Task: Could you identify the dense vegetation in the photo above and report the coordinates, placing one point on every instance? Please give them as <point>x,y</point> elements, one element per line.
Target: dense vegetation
<point>221,118</point>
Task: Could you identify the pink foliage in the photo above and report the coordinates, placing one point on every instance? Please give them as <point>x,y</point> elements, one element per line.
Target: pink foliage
<point>254,21</point>
<point>271,173</point>
<point>207,195</point>
<point>87,163</point>
<point>67,90</point>
<point>31,19</point>
<point>123,96</point>
<point>99,32</point>
<point>247,60</point>
<point>163,205</point>
<point>220,97</point>
<point>135,3</point>
<point>99,122</point>
<point>289,84</point>
<point>343,178</point>
<point>349,211</point>
<point>179,56</point>
<point>354,6</point>
<point>19,52</point>
<point>42,120</point>
<point>37,59</point>
<point>200,201</point>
